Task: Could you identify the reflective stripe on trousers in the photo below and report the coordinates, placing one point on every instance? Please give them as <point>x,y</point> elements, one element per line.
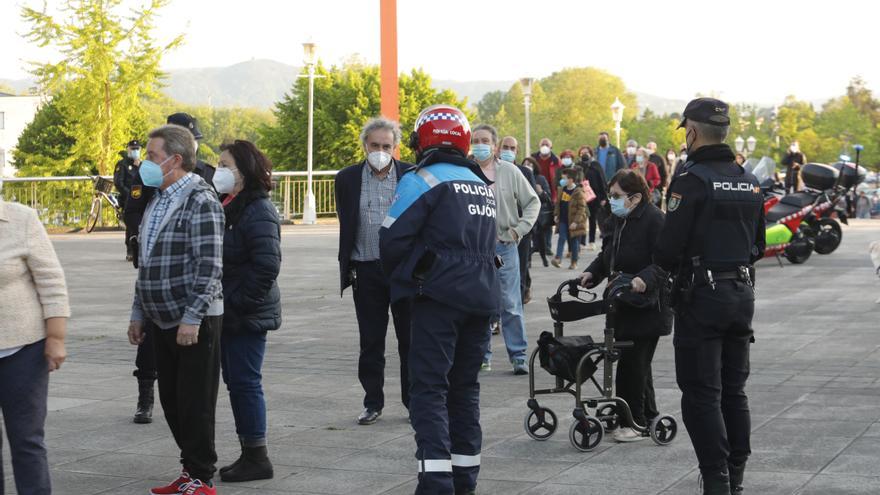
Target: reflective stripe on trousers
<point>446,465</point>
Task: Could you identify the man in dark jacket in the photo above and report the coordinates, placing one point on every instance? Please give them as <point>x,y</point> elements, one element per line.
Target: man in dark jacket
<point>596,177</point>
<point>364,192</point>
<point>609,156</point>
<point>793,161</point>
<point>138,197</point>
<point>438,247</point>
<point>662,167</point>
<point>123,176</point>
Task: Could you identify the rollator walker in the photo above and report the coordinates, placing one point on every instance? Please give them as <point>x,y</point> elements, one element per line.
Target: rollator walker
<point>573,360</point>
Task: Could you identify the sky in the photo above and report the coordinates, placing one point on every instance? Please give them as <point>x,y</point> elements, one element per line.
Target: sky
<point>742,51</point>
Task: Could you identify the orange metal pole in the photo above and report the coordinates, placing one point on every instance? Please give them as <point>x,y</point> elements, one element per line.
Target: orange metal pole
<point>389,85</point>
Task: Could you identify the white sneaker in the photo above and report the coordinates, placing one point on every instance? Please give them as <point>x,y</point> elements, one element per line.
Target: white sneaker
<point>592,246</point>
<point>624,435</point>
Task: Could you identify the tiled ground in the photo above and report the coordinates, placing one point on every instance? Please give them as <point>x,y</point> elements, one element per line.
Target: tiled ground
<point>815,391</point>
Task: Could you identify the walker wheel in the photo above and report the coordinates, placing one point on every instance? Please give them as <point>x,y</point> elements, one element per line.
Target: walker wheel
<point>663,429</point>
<point>586,434</point>
<point>607,414</point>
<point>540,423</point>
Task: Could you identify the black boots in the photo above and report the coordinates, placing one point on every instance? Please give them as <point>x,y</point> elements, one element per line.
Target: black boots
<point>144,414</point>
<point>736,477</point>
<point>253,465</point>
<point>716,484</point>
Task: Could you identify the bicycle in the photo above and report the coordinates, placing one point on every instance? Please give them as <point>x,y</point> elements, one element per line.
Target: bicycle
<point>103,191</point>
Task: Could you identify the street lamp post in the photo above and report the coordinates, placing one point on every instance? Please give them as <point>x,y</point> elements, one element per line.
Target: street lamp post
<point>310,215</point>
<point>745,146</point>
<point>617,114</point>
<point>526,83</point>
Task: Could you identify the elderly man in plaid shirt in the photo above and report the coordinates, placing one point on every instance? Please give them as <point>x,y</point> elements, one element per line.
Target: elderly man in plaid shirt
<point>178,294</point>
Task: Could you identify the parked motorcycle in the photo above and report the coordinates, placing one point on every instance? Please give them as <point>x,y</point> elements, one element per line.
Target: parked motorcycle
<point>803,222</point>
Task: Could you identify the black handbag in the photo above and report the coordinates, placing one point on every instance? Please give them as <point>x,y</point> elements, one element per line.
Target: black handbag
<point>560,355</point>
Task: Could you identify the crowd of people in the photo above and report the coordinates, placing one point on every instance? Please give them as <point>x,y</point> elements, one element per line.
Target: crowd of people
<point>441,248</point>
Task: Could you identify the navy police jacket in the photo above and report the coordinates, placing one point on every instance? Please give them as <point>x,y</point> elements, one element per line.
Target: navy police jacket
<point>438,239</point>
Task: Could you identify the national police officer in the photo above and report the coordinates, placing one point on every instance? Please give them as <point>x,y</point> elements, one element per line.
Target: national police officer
<point>123,176</point>
<point>714,231</point>
<point>437,246</point>
<point>135,205</point>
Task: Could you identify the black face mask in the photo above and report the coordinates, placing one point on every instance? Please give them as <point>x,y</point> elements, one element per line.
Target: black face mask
<point>585,157</point>
<point>603,142</point>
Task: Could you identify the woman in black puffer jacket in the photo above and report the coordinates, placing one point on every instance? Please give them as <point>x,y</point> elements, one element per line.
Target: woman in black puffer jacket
<point>252,301</point>
<point>627,245</point>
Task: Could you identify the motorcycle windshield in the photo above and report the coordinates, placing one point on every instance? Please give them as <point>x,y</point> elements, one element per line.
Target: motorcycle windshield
<point>765,170</point>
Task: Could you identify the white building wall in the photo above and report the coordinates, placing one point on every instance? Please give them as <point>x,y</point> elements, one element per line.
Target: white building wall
<point>17,112</point>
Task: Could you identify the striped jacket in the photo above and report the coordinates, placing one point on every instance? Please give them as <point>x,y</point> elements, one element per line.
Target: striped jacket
<point>179,280</point>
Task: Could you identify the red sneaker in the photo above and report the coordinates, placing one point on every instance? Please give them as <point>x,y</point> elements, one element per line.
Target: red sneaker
<point>196,487</point>
<point>173,488</point>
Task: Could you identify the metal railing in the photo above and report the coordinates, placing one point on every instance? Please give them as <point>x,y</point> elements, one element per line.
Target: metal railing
<point>65,201</point>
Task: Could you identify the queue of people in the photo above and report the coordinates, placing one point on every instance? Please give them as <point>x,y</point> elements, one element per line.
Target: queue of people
<point>436,244</point>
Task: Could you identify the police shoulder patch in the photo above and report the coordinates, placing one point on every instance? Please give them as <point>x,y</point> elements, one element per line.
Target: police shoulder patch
<point>136,192</point>
<point>674,201</point>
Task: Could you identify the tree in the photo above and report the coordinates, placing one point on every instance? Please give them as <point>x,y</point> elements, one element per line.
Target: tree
<point>570,106</point>
<point>109,64</point>
<point>345,98</point>
<point>489,106</point>
<point>44,147</point>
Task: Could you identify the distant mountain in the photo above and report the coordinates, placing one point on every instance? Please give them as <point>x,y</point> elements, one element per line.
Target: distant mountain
<point>473,90</point>
<point>19,86</point>
<point>256,83</point>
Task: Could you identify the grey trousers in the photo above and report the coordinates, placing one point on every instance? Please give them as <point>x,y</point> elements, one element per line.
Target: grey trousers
<point>24,388</point>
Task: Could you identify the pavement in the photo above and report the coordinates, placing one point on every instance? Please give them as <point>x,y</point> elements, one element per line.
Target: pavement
<point>814,391</point>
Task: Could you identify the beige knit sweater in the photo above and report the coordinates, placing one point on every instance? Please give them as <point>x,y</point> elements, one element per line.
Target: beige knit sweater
<point>32,286</point>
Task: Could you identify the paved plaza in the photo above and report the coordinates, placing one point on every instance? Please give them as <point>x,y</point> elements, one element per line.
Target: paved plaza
<point>814,391</point>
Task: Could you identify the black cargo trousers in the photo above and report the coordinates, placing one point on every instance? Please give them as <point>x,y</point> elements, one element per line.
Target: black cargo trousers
<point>713,332</point>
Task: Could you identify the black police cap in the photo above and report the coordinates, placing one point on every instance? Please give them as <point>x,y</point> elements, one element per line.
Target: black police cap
<point>186,120</point>
<point>706,110</point>
<point>134,143</point>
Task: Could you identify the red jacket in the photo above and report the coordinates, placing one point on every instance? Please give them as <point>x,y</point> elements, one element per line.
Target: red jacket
<point>548,167</point>
<point>652,174</point>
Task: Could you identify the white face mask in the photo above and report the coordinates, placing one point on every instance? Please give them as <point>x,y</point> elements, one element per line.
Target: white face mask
<point>670,157</point>
<point>684,157</point>
<point>794,148</point>
<point>545,150</point>
<point>378,159</point>
<point>224,180</point>
<point>631,150</point>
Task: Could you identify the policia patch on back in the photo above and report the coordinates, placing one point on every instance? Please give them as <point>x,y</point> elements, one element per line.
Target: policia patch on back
<point>135,192</point>
<point>674,201</point>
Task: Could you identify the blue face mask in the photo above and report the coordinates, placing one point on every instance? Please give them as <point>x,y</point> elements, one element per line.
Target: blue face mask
<point>618,207</point>
<point>507,155</point>
<point>481,152</point>
<point>563,182</point>
<point>151,172</point>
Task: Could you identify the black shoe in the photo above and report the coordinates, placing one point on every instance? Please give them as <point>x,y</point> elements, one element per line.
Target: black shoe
<point>715,484</point>
<point>237,461</point>
<point>253,465</point>
<point>369,416</point>
<point>737,472</point>
<point>144,414</point>
<point>527,296</point>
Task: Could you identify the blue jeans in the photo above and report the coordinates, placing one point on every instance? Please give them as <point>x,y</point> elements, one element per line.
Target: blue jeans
<point>513,325</point>
<point>24,388</point>
<point>573,242</point>
<point>241,357</point>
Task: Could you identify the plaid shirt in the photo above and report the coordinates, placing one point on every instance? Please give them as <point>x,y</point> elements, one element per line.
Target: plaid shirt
<point>166,197</point>
<point>179,279</point>
<point>376,197</point>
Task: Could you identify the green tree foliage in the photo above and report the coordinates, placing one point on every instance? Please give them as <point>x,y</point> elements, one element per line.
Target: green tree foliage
<point>570,106</point>
<point>109,64</point>
<point>218,125</point>
<point>44,147</point>
<point>345,98</point>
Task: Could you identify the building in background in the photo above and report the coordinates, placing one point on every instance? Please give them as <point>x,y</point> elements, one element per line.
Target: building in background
<point>16,112</point>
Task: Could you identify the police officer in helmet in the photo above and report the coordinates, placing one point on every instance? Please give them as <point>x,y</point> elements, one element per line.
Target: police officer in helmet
<point>713,233</point>
<point>437,246</point>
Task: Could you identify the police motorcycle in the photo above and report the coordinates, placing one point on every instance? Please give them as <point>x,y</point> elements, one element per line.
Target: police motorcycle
<point>573,360</point>
<point>803,222</point>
